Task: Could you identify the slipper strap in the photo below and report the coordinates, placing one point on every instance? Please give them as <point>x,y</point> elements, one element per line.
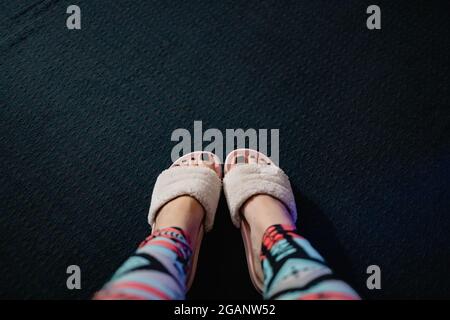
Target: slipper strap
<point>247,180</point>
<point>201,183</point>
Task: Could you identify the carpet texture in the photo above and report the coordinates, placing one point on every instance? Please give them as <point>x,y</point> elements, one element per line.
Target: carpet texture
<point>86,119</point>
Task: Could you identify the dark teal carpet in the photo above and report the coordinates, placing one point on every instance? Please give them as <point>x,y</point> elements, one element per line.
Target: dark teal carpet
<point>86,118</point>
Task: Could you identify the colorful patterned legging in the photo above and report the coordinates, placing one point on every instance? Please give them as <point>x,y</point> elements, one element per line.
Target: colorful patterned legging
<point>292,268</point>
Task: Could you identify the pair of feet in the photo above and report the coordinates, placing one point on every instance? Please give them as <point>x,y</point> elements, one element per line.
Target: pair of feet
<point>260,212</point>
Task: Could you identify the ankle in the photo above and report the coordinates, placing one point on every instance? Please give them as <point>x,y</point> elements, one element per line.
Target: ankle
<point>183,212</point>
<point>263,211</point>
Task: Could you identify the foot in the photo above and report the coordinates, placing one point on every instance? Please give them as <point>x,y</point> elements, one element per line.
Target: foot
<point>185,212</point>
<point>261,211</point>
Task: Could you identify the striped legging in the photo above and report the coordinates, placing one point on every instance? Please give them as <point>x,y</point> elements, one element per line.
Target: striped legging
<point>292,268</point>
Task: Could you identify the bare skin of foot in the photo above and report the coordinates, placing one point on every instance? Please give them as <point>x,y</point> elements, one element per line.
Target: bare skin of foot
<point>185,212</point>
<point>261,212</point>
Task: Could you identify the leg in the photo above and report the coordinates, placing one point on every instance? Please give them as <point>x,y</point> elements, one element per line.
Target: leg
<point>292,268</point>
<point>162,264</point>
<point>162,267</point>
<point>159,268</point>
<point>146,276</point>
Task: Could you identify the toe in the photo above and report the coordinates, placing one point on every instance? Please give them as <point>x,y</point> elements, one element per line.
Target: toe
<point>184,163</point>
<point>209,160</point>
<point>241,158</point>
<point>217,169</point>
<point>193,160</point>
<point>252,158</point>
<point>233,161</point>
